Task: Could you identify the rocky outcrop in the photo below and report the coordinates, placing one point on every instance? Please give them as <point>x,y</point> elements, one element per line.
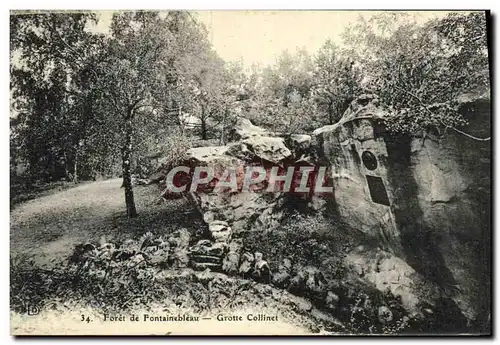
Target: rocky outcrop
<point>261,210</point>
<point>424,198</point>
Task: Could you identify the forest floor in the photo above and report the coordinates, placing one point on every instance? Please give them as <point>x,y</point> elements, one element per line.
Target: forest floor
<point>47,228</point>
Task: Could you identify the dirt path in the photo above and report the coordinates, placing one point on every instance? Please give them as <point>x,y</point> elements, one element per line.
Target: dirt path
<point>48,227</point>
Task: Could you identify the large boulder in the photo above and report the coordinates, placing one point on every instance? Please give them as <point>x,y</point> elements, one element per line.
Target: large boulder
<point>424,196</point>
<point>270,149</point>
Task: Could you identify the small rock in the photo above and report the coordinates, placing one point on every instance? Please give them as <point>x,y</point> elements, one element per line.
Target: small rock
<point>206,254</point>
<point>121,255</point>
<point>263,290</point>
<point>179,239</point>
<point>137,261</point>
<point>240,226</point>
<point>206,247</point>
<point>277,294</point>
<point>287,264</point>
<point>359,270</point>
<point>303,304</point>
<point>158,257</point>
<point>205,277</point>
<point>209,217</point>
<point>220,230</point>
<point>262,271</point>
<point>179,258</point>
<point>236,245</point>
<point>282,277</point>
<point>308,281</point>
<point>230,263</point>
<point>203,266</point>
<point>384,315</point>
<point>129,245</point>
<point>331,301</point>
<point>246,264</point>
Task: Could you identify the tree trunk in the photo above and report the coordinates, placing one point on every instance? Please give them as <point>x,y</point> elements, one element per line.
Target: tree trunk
<point>127,179</point>
<point>75,168</point>
<point>222,139</point>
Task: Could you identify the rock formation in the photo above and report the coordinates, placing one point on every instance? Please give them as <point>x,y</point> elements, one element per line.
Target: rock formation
<point>423,197</point>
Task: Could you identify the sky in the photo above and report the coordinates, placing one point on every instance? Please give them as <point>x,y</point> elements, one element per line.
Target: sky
<point>259,37</point>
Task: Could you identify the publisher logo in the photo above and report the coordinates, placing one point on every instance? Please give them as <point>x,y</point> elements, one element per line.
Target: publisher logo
<point>32,310</point>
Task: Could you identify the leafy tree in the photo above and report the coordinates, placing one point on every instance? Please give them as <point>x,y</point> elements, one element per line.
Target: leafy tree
<point>336,81</point>
<point>420,71</point>
<point>50,87</point>
<point>83,100</point>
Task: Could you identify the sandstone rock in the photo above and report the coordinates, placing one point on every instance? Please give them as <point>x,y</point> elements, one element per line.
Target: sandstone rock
<point>331,301</point>
<point>282,277</point>
<point>206,254</point>
<point>208,153</point>
<point>236,245</point>
<point>179,239</point>
<point>240,211</point>
<point>271,149</point>
<point>309,281</point>
<point>244,128</point>
<point>220,230</point>
<point>445,228</point>
<point>179,258</point>
<point>230,263</point>
<point>246,264</point>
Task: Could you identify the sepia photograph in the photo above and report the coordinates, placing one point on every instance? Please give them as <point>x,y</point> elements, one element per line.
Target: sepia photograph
<point>250,172</point>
